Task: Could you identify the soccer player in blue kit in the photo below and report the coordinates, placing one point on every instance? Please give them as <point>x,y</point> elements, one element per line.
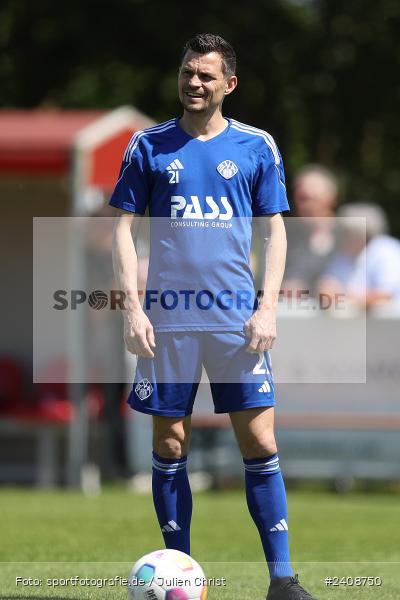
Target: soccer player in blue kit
<point>202,178</point>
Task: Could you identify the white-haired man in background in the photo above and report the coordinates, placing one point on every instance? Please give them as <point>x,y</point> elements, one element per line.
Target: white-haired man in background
<point>367,265</point>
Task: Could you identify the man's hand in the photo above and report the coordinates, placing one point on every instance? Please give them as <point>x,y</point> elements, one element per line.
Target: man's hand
<point>261,329</point>
<point>139,334</point>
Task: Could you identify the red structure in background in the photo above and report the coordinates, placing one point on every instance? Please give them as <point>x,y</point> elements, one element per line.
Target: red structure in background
<point>84,146</point>
<point>42,142</point>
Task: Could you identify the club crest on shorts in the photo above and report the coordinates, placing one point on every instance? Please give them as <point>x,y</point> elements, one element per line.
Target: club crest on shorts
<point>143,389</point>
<point>227,169</point>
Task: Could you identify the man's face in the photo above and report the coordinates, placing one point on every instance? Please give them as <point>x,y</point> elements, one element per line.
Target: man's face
<point>313,196</point>
<point>202,84</point>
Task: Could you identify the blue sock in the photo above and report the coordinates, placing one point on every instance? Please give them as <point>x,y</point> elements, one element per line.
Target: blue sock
<point>266,499</point>
<point>172,499</point>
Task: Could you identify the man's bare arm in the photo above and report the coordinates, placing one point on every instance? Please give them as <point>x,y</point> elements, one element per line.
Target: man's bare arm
<point>138,331</point>
<point>261,327</point>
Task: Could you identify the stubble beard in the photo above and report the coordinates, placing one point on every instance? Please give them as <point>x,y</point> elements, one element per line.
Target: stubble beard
<point>192,108</point>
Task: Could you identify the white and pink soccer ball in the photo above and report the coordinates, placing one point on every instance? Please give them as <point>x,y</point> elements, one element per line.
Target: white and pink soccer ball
<point>167,575</point>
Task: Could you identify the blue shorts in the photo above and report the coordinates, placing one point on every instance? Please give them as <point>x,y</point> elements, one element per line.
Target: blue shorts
<point>167,384</point>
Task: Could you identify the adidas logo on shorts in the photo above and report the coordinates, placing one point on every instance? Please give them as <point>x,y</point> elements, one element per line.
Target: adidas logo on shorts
<point>266,388</point>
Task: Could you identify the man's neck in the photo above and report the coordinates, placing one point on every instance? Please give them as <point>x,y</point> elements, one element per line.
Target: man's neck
<point>203,127</point>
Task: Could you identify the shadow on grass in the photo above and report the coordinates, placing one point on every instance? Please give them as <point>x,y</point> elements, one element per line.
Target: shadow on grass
<point>39,598</point>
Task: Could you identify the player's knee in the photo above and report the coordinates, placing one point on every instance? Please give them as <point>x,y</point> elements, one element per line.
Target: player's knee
<point>169,448</point>
<point>171,444</point>
<point>259,446</point>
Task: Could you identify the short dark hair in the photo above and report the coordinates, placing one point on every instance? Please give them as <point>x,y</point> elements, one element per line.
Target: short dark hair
<point>203,43</point>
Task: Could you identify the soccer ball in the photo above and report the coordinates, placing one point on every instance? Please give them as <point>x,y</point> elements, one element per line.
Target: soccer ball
<point>167,575</point>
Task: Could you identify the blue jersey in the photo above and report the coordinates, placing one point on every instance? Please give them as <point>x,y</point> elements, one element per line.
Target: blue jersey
<point>201,197</point>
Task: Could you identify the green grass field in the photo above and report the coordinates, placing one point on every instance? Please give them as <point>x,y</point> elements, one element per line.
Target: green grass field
<point>64,534</point>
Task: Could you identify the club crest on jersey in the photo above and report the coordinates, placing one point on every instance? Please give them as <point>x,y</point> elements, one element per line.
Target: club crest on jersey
<point>143,389</point>
<point>227,169</point>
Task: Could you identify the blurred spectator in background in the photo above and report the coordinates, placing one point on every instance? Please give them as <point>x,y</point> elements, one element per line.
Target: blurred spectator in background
<point>366,266</point>
<point>311,236</point>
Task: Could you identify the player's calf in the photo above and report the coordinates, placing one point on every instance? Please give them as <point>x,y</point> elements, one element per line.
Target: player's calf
<point>172,499</point>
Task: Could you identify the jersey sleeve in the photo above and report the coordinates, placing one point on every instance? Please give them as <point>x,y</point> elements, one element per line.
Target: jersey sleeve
<point>132,189</point>
<point>269,189</point>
